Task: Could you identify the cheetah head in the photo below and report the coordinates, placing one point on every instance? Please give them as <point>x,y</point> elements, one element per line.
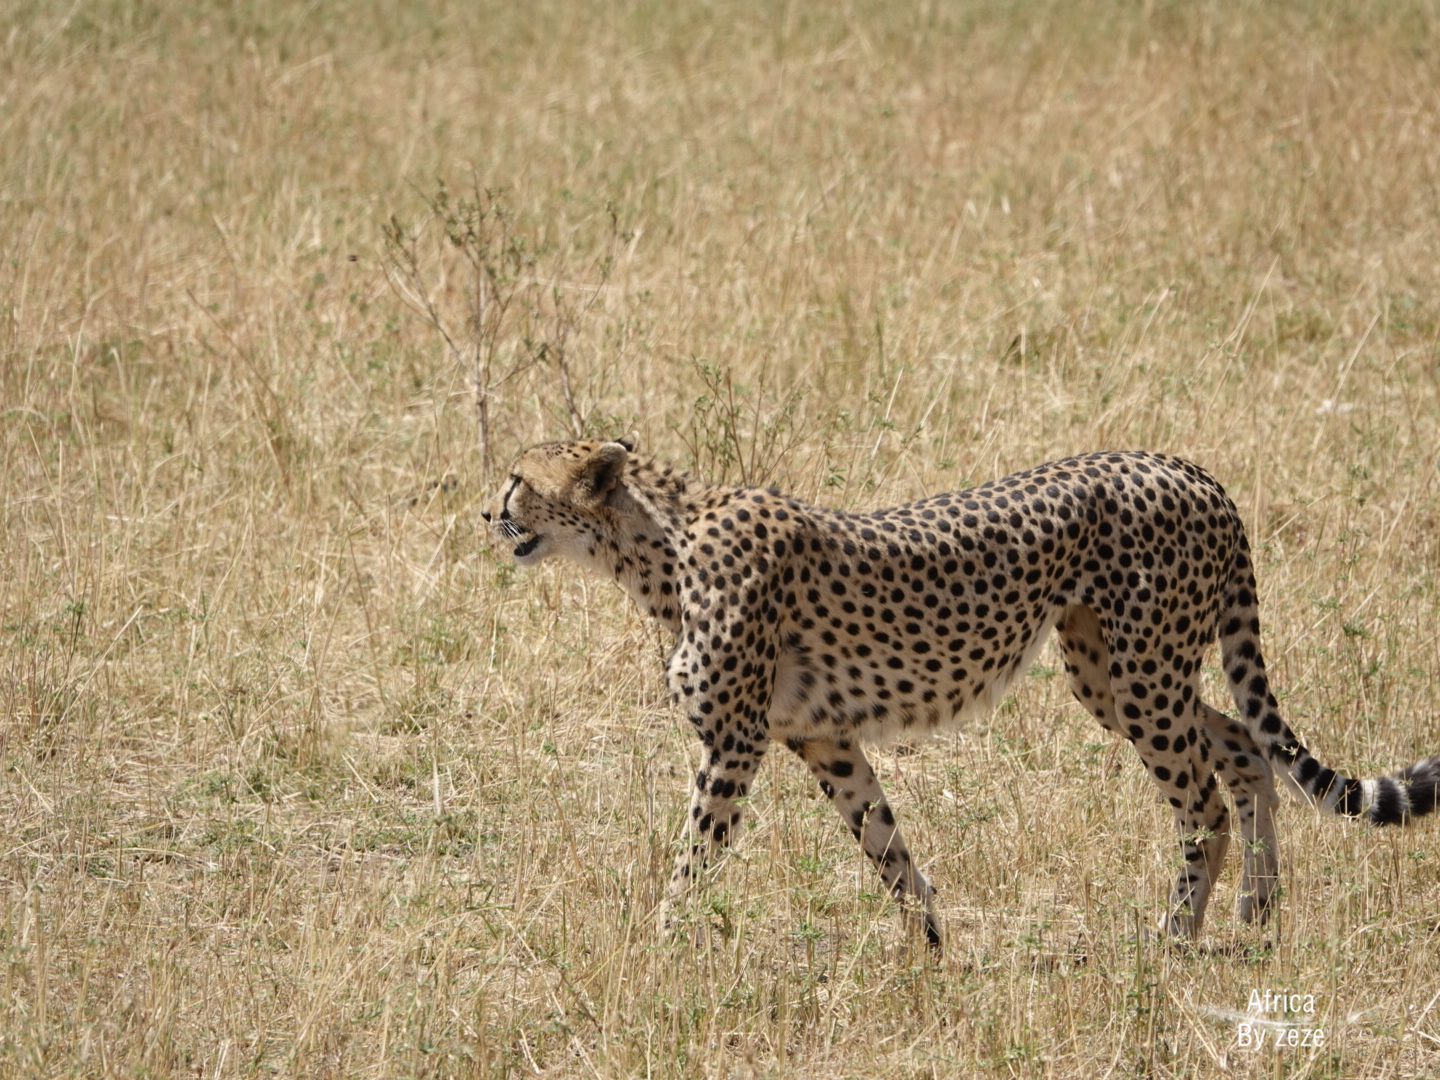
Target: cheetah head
<point>555,499</point>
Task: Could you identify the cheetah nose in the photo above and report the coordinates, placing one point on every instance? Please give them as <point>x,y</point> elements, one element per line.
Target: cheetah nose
<point>485,514</point>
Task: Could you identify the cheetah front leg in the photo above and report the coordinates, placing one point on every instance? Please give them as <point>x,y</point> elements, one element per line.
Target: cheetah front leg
<point>729,770</point>
<point>849,782</point>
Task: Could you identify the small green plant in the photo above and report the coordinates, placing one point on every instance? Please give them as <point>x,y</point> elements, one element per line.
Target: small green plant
<point>739,430</point>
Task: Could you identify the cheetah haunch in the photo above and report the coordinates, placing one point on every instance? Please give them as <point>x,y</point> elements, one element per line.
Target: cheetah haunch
<point>825,629</point>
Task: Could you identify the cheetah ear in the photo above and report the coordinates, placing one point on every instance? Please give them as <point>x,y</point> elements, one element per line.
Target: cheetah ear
<point>631,442</point>
<point>598,474</point>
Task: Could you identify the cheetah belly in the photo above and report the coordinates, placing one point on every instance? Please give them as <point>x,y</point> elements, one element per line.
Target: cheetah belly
<point>813,701</point>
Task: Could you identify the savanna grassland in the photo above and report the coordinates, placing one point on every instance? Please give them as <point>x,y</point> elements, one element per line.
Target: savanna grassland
<point>298,775</point>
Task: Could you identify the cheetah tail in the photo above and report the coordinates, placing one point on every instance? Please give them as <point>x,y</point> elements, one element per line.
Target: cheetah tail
<point>1388,800</point>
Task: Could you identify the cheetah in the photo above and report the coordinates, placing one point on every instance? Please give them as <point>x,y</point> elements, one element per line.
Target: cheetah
<point>826,630</point>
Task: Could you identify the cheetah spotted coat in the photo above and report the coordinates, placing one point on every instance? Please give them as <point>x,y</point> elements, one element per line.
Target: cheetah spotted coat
<point>824,630</point>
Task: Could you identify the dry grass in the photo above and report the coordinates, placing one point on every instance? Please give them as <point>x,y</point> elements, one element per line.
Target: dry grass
<point>300,777</point>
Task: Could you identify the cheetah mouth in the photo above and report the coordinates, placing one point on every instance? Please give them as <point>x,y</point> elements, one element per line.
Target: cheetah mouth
<point>512,531</point>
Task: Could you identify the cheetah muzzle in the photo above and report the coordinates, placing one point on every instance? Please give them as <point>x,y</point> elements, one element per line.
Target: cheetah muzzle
<point>824,630</point>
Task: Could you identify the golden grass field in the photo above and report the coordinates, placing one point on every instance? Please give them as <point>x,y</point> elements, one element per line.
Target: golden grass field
<point>298,775</point>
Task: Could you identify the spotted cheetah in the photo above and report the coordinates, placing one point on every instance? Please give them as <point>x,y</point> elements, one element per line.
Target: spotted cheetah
<point>824,630</point>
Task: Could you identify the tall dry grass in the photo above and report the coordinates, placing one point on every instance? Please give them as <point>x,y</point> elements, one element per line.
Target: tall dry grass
<point>300,778</point>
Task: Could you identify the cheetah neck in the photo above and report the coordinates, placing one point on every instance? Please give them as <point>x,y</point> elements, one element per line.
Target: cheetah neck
<point>651,511</point>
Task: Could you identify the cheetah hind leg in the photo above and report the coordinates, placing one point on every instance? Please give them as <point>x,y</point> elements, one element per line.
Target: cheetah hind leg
<point>1184,777</point>
<point>1240,763</point>
<point>1087,663</point>
<point>848,781</point>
